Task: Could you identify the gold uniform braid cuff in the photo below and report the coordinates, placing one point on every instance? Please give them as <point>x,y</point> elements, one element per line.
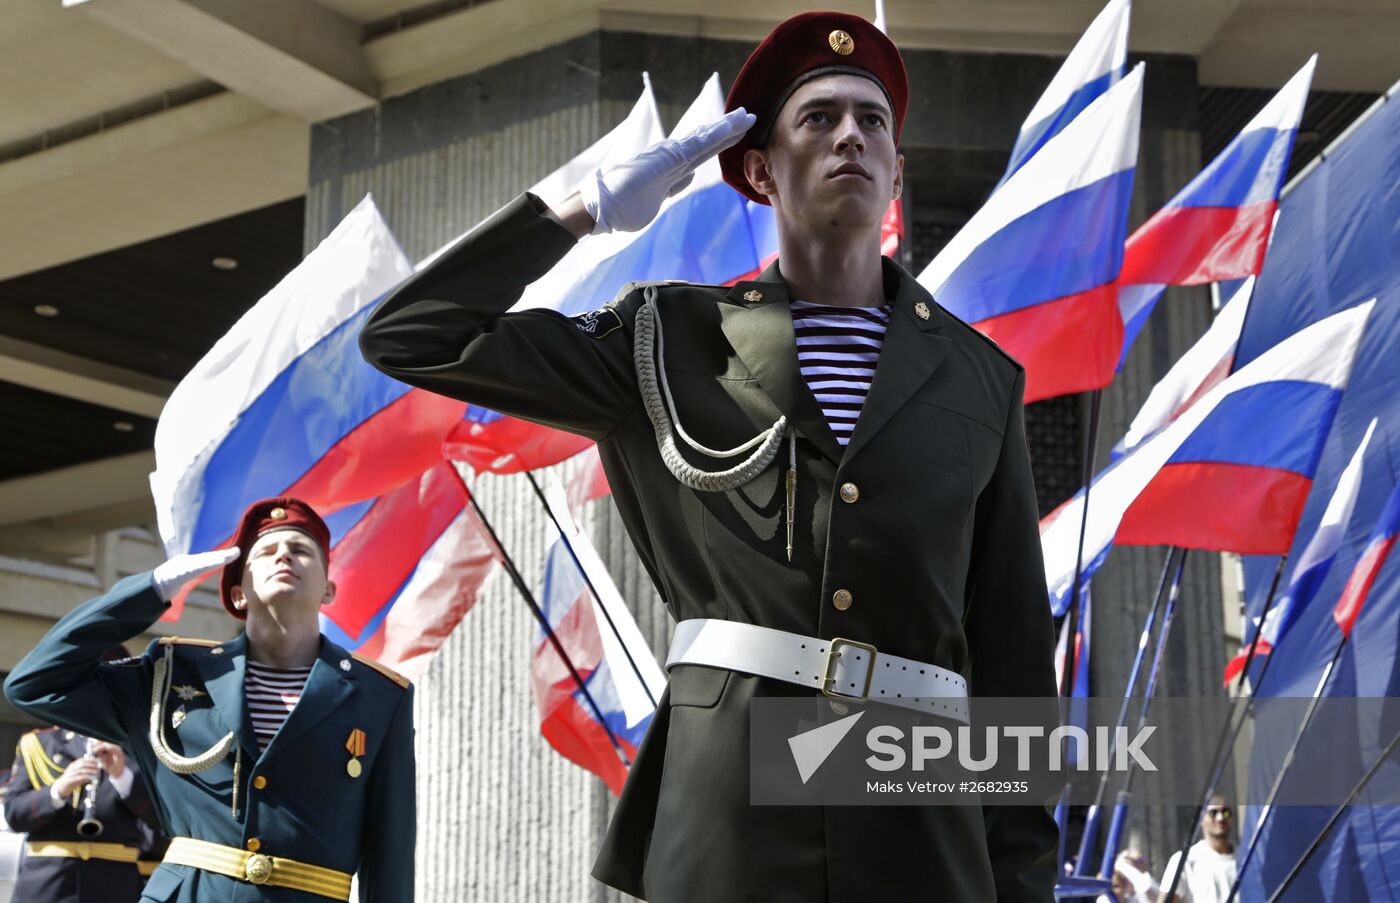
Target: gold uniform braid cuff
<point>41,769</point>
<point>257,868</point>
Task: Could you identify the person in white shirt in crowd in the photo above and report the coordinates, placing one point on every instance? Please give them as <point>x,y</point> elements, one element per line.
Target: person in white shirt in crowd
<point>1210,862</point>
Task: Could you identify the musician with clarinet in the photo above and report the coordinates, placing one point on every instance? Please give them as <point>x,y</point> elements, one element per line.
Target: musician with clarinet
<point>88,815</point>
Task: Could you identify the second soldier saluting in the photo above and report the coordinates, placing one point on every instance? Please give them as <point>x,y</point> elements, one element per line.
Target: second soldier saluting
<point>279,763</point>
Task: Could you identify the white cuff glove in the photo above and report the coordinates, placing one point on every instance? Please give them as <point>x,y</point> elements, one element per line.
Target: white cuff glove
<point>629,195</point>
<point>175,573</point>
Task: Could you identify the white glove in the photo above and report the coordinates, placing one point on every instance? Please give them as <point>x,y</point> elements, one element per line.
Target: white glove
<point>628,196</point>
<point>175,573</point>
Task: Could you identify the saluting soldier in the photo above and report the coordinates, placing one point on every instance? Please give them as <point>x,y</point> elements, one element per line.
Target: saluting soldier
<point>882,490</point>
<point>279,763</point>
<point>88,817</point>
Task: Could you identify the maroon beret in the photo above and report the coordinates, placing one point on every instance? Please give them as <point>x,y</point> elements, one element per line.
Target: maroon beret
<point>805,47</point>
<point>264,517</point>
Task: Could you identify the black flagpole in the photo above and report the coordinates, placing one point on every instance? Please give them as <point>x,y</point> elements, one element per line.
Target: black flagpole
<point>1283,768</point>
<point>1120,808</point>
<point>529,597</point>
<point>1332,822</point>
<point>1230,730</point>
<point>1091,441</point>
<point>1091,823</point>
<point>539,493</point>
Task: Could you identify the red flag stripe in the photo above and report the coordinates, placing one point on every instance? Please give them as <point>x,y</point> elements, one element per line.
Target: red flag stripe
<point>1359,584</point>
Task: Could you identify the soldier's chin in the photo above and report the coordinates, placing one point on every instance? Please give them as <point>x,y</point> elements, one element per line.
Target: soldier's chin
<point>284,596</point>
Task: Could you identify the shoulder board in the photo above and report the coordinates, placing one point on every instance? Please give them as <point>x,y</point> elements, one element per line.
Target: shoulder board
<point>38,765</point>
<point>187,641</point>
<point>388,672</point>
<point>638,286</point>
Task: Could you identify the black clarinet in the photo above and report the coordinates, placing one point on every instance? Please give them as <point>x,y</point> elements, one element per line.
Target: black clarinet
<point>91,825</point>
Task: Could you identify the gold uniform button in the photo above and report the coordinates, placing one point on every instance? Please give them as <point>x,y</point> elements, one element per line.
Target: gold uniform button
<point>259,782</point>
<point>253,844</point>
<point>841,599</point>
<point>849,492</point>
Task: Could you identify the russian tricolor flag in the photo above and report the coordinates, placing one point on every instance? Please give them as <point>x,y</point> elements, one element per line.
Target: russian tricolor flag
<point>1231,473</point>
<point>1096,64</point>
<point>1035,269</point>
<point>706,233</point>
<point>621,678</point>
<point>1312,566</point>
<point>284,405</point>
<point>1203,367</point>
<point>1216,228</point>
<point>281,404</point>
<point>1368,568</point>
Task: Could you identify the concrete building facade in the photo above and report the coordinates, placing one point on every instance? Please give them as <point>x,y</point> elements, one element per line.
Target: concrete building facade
<point>445,111</point>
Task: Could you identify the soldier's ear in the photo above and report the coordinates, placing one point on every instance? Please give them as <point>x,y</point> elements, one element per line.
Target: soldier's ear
<point>329,597</point>
<point>756,170</point>
<point>236,596</point>
<point>898,176</point>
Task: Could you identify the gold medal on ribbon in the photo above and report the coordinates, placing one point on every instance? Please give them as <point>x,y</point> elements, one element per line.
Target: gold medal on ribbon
<point>355,745</point>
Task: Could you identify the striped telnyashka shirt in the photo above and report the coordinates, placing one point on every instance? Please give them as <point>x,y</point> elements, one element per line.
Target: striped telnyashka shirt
<point>272,694</point>
<point>837,350</point>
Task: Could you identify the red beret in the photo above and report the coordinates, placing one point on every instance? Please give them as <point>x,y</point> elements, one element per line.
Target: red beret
<point>804,47</point>
<point>264,517</point>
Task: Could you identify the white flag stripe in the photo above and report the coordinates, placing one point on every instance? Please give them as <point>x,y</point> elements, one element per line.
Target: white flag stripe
<point>1103,48</point>
<point>357,263</point>
<point>627,638</point>
<point>1333,526</point>
<point>1185,377</point>
<point>1101,141</point>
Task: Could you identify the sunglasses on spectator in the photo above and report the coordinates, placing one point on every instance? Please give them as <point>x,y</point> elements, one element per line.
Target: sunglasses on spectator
<point>1220,812</point>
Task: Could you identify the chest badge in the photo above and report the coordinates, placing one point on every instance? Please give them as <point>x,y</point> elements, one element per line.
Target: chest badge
<point>188,693</point>
<point>753,295</point>
<point>921,310</point>
<point>355,745</point>
<point>177,717</point>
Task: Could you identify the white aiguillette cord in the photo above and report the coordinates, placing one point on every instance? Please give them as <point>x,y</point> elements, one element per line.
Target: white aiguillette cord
<point>160,689</point>
<point>648,349</point>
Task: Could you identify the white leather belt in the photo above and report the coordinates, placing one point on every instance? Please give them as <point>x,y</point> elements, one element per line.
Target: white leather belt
<point>839,668</point>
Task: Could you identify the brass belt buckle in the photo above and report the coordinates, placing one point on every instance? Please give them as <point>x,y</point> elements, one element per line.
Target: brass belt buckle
<point>258,869</point>
<point>829,672</point>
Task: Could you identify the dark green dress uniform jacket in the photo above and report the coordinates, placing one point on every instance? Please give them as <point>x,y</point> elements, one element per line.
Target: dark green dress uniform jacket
<point>125,820</point>
<point>940,551</point>
<point>308,809</point>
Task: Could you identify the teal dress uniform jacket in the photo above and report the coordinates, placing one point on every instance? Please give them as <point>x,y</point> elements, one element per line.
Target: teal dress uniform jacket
<point>940,551</point>
<point>307,807</point>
